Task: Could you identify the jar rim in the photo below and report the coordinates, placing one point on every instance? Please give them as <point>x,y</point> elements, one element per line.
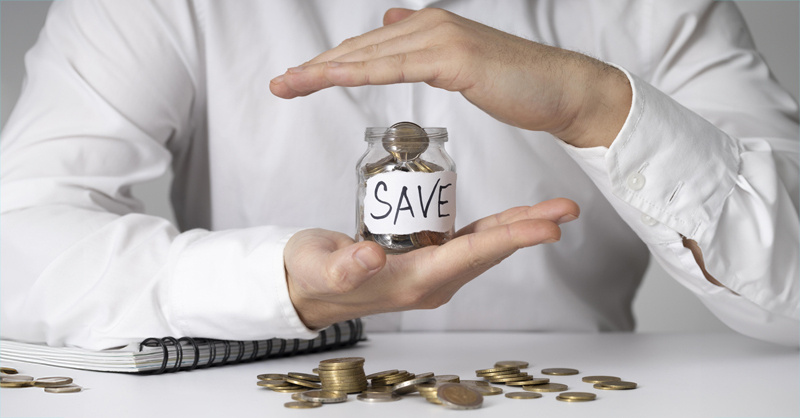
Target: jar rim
<point>375,133</point>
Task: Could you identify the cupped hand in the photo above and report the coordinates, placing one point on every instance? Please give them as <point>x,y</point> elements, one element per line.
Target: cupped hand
<point>523,83</point>
<point>332,278</point>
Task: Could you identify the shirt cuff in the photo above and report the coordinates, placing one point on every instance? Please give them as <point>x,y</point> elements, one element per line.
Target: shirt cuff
<point>667,162</point>
<point>232,285</point>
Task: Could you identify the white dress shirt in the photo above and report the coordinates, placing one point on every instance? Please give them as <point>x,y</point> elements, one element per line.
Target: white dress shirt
<point>119,92</point>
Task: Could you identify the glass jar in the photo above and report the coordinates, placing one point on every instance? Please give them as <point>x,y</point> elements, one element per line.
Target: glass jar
<point>406,195</point>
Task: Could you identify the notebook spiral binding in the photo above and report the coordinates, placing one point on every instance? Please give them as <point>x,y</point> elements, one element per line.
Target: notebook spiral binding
<point>256,350</point>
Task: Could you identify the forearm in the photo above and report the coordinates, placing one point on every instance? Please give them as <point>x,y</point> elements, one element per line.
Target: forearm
<point>675,177</point>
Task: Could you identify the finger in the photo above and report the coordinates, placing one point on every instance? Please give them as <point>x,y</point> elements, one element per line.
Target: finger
<point>395,15</point>
<point>477,252</point>
<point>374,36</point>
<point>348,268</point>
<point>558,210</point>
<point>404,43</point>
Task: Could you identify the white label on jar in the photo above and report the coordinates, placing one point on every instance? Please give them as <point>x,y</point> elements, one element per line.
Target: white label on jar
<point>403,203</point>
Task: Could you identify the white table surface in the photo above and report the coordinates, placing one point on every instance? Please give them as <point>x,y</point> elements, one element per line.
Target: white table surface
<point>679,375</point>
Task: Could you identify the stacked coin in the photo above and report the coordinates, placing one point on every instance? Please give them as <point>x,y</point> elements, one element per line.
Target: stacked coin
<point>343,374</point>
<point>504,374</point>
<point>390,378</point>
<point>293,382</point>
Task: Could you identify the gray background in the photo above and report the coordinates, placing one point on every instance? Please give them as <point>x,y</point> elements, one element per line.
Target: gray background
<point>661,305</point>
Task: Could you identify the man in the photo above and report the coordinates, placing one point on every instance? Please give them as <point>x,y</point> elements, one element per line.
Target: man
<point>118,90</point>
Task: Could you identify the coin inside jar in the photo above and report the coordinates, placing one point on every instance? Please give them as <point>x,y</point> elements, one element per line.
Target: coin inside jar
<point>405,141</point>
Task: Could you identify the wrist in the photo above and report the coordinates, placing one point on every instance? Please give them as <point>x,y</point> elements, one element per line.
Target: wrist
<point>603,97</point>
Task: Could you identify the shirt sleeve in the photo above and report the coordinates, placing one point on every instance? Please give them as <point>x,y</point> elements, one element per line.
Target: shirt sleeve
<point>111,89</point>
<point>709,152</point>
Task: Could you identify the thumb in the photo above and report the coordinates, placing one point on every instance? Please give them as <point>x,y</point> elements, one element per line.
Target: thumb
<point>395,15</point>
<point>349,267</point>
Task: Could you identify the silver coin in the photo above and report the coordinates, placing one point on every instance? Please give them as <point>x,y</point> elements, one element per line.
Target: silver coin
<point>72,388</point>
<point>378,397</point>
<point>323,396</point>
<point>49,382</point>
<point>16,378</point>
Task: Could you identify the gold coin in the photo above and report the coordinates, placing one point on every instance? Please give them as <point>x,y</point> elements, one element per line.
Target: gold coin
<point>293,390</point>
<point>296,397</point>
<point>8,370</point>
<point>302,405</point>
<point>508,379</point>
<point>600,379</point>
<point>620,385</point>
<point>304,383</point>
<point>499,374</point>
<point>49,382</point>
<point>384,373</point>
<point>341,363</point>
<point>447,378</point>
<point>512,363</point>
<point>547,387</point>
<point>305,376</point>
<point>18,384</point>
<point>272,376</point>
<point>72,388</point>
<point>429,387</point>
<point>559,371</point>
<point>523,395</point>
<point>271,383</point>
<point>458,396</point>
<point>497,369</point>
<point>530,381</point>
<point>580,396</point>
<point>537,381</point>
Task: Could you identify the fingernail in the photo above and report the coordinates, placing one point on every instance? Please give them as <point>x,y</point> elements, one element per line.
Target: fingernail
<point>295,70</point>
<point>550,241</point>
<point>367,258</point>
<point>277,80</point>
<point>566,218</point>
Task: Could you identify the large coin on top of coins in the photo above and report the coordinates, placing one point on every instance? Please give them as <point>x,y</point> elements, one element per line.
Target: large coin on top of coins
<point>458,396</point>
<point>406,141</point>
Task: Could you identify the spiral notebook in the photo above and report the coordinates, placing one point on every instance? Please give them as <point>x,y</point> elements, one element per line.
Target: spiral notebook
<point>168,354</point>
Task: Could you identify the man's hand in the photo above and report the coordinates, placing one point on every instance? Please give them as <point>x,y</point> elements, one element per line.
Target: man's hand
<point>331,278</point>
<point>523,83</point>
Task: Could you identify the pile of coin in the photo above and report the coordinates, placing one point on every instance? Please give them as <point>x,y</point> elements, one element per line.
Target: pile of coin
<point>340,376</point>
<point>10,378</point>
